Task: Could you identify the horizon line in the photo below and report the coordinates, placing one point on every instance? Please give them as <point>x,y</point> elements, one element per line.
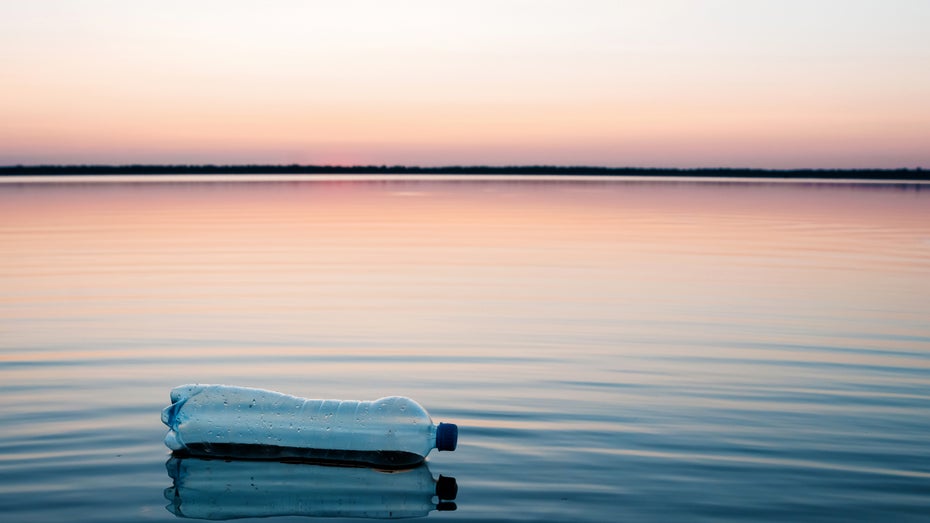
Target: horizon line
<point>906,173</point>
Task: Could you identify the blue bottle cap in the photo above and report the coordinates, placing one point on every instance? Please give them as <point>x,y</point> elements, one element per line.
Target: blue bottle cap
<point>447,436</point>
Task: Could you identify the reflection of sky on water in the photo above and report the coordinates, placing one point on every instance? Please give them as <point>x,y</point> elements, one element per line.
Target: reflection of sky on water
<point>219,490</point>
<point>346,266</point>
<point>737,351</point>
<point>349,272</point>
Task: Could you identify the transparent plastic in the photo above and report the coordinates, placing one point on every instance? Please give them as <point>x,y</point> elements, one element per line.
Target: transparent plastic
<point>222,490</point>
<point>240,422</point>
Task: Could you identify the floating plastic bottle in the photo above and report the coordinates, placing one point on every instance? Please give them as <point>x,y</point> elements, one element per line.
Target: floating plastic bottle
<point>223,490</point>
<point>245,423</point>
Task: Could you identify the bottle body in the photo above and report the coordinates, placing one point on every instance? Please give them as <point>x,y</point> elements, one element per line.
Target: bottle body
<point>240,422</point>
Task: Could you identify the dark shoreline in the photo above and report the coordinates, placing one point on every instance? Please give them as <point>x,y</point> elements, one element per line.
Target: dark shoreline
<point>849,174</point>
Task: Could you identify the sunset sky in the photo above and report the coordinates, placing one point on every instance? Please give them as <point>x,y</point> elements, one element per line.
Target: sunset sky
<point>676,83</point>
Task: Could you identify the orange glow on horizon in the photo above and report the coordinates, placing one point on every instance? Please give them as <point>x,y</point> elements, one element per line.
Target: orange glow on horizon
<point>615,84</point>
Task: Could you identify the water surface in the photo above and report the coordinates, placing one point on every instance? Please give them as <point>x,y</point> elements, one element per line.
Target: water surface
<point>612,350</point>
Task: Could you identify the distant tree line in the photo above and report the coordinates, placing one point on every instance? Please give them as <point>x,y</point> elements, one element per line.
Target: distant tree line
<point>870,174</point>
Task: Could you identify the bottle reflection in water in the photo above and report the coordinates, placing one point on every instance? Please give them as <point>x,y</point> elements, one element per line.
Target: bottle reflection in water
<point>218,490</point>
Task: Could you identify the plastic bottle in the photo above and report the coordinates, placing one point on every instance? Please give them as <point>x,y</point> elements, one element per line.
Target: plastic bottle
<point>222,490</point>
<point>239,422</point>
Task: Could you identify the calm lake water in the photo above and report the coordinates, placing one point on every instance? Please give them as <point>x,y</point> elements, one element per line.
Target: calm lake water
<point>612,350</point>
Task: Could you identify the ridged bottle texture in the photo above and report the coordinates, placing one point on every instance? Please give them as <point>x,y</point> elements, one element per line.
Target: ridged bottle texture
<point>241,422</point>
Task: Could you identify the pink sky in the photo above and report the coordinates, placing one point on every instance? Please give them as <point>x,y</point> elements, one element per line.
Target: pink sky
<point>778,84</point>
